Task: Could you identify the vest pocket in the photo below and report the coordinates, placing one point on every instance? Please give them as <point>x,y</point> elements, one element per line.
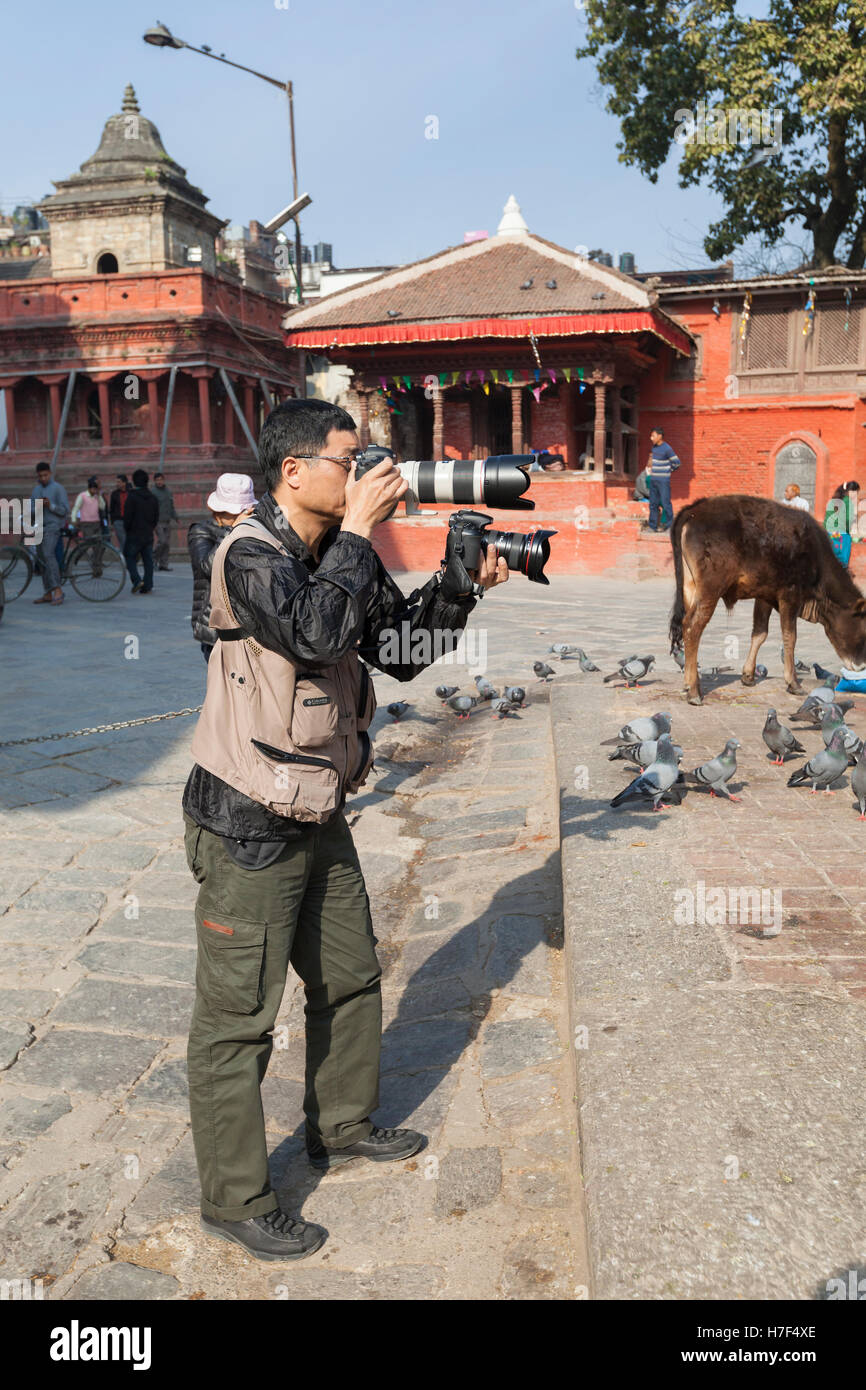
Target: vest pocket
<point>230,961</point>
<point>298,787</point>
<point>316,711</point>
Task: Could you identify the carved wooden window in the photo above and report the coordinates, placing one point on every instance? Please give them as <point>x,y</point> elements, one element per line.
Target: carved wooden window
<point>836,345</point>
<point>767,340</point>
<point>687,368</point>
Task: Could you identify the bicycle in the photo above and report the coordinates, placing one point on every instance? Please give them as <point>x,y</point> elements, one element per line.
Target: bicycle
<point>95,569</point>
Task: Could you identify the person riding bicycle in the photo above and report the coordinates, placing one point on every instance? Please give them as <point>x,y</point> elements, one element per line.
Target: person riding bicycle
<point>54,507</point>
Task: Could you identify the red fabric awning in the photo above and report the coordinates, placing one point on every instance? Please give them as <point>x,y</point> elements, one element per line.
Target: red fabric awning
<point>559,326</point>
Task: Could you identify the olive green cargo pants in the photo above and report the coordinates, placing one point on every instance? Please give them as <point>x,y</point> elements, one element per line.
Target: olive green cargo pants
<point>309,908</point>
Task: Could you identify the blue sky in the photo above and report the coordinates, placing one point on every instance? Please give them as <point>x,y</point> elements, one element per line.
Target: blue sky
<point>517,114</point>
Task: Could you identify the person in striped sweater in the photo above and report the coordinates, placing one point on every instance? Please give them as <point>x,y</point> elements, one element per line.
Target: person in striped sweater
<point>662,462</point>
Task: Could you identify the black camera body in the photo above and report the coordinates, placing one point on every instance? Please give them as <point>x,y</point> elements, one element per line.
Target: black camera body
<point>524,554</point>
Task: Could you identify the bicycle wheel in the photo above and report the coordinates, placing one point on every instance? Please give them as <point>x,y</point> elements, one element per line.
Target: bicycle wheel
<point>16,570</point>
<point>96,571</point>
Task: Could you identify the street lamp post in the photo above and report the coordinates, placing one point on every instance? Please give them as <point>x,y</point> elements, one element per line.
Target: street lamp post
<point>161,37</point>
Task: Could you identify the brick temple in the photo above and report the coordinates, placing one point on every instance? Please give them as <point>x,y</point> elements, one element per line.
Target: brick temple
<point>131,345</point>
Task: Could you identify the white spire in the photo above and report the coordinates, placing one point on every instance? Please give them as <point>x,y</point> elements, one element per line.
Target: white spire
<point>512,223</point>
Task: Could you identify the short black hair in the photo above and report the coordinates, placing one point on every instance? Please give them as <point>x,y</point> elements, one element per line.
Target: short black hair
<point>122,478</point>
<point>298,427</point>
<point>158,475</point>
<point>139,478</point>
<point>657,429</point>
<point>43,467</point>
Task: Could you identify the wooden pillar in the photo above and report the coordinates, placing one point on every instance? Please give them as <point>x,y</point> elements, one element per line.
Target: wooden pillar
<point>598,439</point>
<point>204,405</point>
<point>616,429</point>
<point>438,423</point>
<point>153,410</point>
<point>517,419</point>
<point>364,413</point>
<point>54,392</point>
<point>9,397</point>
<point>571,449</point>
<point>249,405</point>
<point>229,424</point>
<point>104,413</point>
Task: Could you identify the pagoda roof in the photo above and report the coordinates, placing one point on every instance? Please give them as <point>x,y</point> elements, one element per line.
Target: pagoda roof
<point>491,287</point>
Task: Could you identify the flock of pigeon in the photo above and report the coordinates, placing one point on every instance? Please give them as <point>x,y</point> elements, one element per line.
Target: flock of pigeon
<point>646,744</point>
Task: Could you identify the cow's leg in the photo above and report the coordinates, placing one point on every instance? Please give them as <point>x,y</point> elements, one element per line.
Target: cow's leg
<point>694,623</point>
<point>760,628</point>
<point>788,619</point>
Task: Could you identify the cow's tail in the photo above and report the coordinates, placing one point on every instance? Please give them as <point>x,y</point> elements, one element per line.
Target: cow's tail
<point>679,609</point>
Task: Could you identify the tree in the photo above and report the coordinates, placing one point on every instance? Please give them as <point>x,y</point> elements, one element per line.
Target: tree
<point>770,113</point>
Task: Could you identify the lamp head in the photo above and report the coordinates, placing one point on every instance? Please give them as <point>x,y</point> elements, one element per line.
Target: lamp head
<point>161,37</point>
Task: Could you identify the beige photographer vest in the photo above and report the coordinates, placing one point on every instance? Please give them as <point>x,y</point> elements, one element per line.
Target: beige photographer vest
<point>289,736</point>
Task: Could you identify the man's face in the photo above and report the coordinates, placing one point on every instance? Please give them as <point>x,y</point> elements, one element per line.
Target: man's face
<point>319,485</point>
<point>93,488</point>
<point>43,476</point>
<point>789,493</point>
<point>655,437</point>
<point>158,480</point>
<point>121,483</point>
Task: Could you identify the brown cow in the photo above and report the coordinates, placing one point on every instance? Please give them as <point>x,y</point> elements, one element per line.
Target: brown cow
<point>739,547</point>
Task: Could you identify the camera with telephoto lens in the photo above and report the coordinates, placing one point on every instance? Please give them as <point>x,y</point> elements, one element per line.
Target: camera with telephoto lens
<point>524,554</point>
<point>498,481</point>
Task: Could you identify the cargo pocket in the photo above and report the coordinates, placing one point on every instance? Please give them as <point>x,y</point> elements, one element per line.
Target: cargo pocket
<point>366,700</point>
<point>316,711</point>
<point>300,788</point>
<point>230,961</point>
<point>192,834</point>
<point>365,762</point>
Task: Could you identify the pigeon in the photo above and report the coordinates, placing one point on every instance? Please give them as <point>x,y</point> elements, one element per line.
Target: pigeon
<point>655,781</point>
<point>833,720</point>
<point>641,753</point>
<point>778,739</point>
<point>632,669</point>
<point>585,663</point>
<point>444,692</point>
<point>503,708</point>
<point>815,711</point>
<point>642,728</point>
<point>397,710</point>
<point>821,695</point>
<point>715,671</point>
<point>826,677</point>
<point>462,704</point>
<point>799,666</point>
<point>485,689</point>
<point>516,694</point>
<point>858,782</point>
<point>761,672</point>
<point>543,672</point>
<point>679,657</point>
<point>562,650</point>
<point>824,768</point>
<point>720,770</point>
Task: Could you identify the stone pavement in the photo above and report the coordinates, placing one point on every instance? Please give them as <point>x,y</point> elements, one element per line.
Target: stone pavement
<point>719,1071</point>
<point>459,848</point>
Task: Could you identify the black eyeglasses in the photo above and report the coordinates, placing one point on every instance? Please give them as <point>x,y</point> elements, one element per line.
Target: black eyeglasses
<point>346,463</point>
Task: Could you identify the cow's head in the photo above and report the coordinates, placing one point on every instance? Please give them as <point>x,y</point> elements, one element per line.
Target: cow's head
<point>850,634</point>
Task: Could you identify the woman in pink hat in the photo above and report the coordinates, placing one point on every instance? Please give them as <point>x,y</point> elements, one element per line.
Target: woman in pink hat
<point>233,498</point>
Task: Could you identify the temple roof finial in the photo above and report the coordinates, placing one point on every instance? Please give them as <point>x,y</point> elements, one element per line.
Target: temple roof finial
<point>512,223</point>
<point>130,101</point>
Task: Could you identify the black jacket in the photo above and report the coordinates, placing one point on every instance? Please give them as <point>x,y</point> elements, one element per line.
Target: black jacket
<point>202,540</point>
<point>140,515</point>
<point>115,503</point>
<point>315,612</point>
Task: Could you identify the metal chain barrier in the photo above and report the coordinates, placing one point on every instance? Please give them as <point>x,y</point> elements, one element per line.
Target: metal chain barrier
<point>102,728</point>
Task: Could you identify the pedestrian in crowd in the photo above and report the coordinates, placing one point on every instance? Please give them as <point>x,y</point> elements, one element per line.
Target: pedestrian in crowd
<point>641,486</point>
<point>301,601</point>
<point>140,515</point>
<point>55,514</point>
<point>116,504</point>
<point>841,516</point>
<point>167,515</point>
<point>792,498</point>
<point>660,464</point>
<point>232,499</point>
<point>90,515</point>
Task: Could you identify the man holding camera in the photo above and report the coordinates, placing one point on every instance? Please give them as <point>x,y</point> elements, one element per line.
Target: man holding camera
<point>298,595</point>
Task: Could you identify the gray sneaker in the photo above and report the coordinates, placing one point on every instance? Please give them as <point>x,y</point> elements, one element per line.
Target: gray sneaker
<point>274,1236</point>
<point>380,1145</point>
